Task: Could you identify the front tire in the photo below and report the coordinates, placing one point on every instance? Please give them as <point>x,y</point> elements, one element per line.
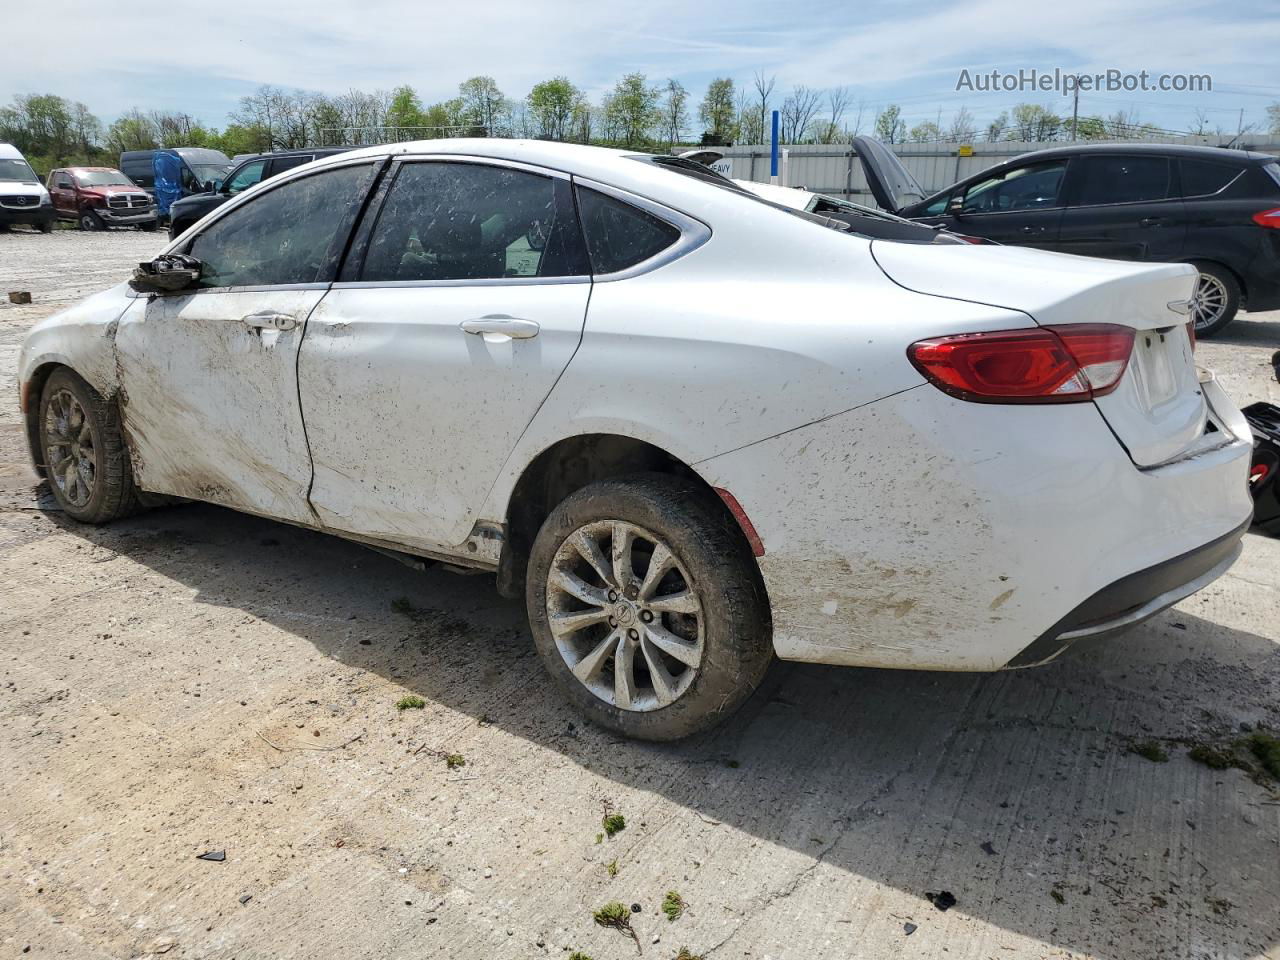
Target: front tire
<point>46,226</point>
<point>148,227</point>
<point>1216,299</point>
<point>84,452</point>
<point>90,221</point>
<point>647,608</point>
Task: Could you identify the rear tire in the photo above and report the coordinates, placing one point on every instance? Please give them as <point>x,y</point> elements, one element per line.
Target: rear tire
<point>708,606</point>
<point>82,445</point>
<point>90,221</point>
<point>1216,298</point>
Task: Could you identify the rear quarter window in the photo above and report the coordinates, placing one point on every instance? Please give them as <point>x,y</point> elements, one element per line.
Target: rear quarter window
<point>620,235</point>
<point>1203,178</point>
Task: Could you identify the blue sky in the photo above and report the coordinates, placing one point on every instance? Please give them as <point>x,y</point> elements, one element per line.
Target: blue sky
<point>203,61</point>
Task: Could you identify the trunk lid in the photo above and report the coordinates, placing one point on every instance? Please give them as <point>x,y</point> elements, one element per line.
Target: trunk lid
<point>1158,410</point>
<point>889,181</point>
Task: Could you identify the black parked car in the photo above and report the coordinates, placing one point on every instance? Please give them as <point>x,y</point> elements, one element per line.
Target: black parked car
<point>1218,209</point>
<point>248,172</point>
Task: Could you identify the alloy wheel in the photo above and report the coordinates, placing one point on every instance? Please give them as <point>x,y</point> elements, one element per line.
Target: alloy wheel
<point>625,615</point>
<point>1209,301</point>
<point>69,449</point>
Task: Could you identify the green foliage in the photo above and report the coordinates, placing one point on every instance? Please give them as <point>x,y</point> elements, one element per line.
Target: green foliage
<point>410,703</point>
<point>1150,750</point>
<point>673,906</point>
<point>454,760</point>
<point>684,954</point>
<point>613,914</point>
<point>578,955</point>
<point>718,112</point>
<point>631,112</point>
<point>552,103</point>
<point>890,127</point>
<point>614,823</point>
<point>1266,748</point>
<point>612,868</point>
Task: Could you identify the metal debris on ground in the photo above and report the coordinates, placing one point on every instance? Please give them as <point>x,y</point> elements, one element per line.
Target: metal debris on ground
<point>217,856</point>
<point>943,900</point>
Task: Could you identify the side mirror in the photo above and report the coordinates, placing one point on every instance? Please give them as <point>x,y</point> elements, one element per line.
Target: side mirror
<point>955,206</point>
<point>167,273</point>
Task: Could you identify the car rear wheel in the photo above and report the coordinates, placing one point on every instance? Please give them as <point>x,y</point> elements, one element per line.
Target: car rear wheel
<point>89,221</point>
<point>84,452</point>
<point>1216,299</point>
<point>647,608</point>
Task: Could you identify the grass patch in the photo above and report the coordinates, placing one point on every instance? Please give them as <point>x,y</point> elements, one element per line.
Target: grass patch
<point>614,823</point>
<point>673,906</point>
<point>1266,749</point>
<point>1150,750</point>
<point>612,868</point>
<point>402,605</point>
<point>684,954</point>
<point>1057,895</point>
<point>599,838</point>
<point>615,915</point>
<point>410,703</point>
<point>578,955</point>
<point>1215,758</point>
<point>454,760</point>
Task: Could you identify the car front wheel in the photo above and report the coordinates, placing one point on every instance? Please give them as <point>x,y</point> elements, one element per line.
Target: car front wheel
<point>647,607</point>
<point>89,221</point>
<point>84,452</point>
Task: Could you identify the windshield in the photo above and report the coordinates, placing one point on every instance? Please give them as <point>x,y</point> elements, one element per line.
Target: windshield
<point>17,170</point>
<point>103,178</point>
<point>209,171</point>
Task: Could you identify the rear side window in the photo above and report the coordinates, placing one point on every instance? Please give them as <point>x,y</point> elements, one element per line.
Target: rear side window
<point>1200,178</point>
<point>1111,179</point>
<point>292,234</point>
<point>280,164</point>
<point>620,235</point>
<point>1273,171</point>
<point>470,221</point>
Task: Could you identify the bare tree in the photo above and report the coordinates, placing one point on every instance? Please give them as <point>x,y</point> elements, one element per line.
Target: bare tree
<point>837,104</point>
<point>798,111</point>
<point>764,90</point>
<point>962,128</point>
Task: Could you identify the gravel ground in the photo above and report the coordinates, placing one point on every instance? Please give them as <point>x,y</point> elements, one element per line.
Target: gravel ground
<point>193,680</point>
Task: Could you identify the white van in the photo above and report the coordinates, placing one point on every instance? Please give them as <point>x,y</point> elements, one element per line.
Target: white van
<point>23,198</point>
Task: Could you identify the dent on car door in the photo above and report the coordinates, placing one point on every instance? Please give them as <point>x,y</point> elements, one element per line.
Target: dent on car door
<point>424,364</point>
<point>209,374</point>
<point>1021,205</point>
<point>1124,207</point>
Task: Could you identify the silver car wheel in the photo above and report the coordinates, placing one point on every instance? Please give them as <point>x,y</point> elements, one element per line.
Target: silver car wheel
<point>1209,301</point>
<point>625,615</point>
<point>69,451</point>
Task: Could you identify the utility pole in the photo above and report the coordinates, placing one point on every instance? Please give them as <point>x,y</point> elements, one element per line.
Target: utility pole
<point>1075,103</point>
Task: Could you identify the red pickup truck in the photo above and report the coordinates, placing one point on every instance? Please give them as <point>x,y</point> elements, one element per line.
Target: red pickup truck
<point>100,197</point>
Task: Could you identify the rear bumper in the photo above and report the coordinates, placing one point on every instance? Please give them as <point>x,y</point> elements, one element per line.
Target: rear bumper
<point>1135,598</point>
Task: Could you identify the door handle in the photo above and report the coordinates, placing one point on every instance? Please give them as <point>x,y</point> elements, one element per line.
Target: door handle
<point>1031,229</point>
<point>1152,222</point>
<point>500,328</point>
<point>270,320</point>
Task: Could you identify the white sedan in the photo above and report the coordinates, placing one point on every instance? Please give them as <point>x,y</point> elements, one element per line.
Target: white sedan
<point>693,429</point>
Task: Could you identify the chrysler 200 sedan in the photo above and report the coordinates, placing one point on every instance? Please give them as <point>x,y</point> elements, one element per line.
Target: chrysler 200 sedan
<point>691,428</point>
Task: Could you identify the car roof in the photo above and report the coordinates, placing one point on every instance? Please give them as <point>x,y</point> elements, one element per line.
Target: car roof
<point>9,152</point>
<point>1189,150</point>
<point>92,169</point>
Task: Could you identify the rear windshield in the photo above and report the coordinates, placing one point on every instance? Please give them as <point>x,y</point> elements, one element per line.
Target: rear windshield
<point>17,170</point>
<point>1274,170</point>
<point>848,220</point>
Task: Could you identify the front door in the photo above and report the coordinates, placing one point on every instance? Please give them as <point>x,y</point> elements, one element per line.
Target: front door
<point>420,372</point>
<point>62,191</point>
<point>210,401</point>
<point>1021,206</point>
<point>1124,207</point>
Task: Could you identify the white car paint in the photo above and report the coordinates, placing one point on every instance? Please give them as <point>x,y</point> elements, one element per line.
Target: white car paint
<point>901,526</point>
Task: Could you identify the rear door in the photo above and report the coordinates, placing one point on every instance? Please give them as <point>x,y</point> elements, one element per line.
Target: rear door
<point>62,191</point>
<point>464,301</point>
<point>1123,206</point>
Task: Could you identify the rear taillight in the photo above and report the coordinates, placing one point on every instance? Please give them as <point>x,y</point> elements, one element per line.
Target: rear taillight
<point>1268,218</point>
<point>1059,364</point>
<point>1257,473</point>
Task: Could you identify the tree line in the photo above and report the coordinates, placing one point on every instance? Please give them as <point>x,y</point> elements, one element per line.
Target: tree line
<point>635,114</point>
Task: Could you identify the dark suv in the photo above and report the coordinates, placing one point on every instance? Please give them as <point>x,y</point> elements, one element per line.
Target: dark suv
<point>1217,209</point>
<point>250,171</point>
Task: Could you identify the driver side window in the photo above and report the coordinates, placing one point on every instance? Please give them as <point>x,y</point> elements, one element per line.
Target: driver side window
<point>246,177</point>
<point>291,234</point>
<point>1033,187</point>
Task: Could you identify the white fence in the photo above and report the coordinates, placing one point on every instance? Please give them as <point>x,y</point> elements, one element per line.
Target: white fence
<point>834,168</point>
